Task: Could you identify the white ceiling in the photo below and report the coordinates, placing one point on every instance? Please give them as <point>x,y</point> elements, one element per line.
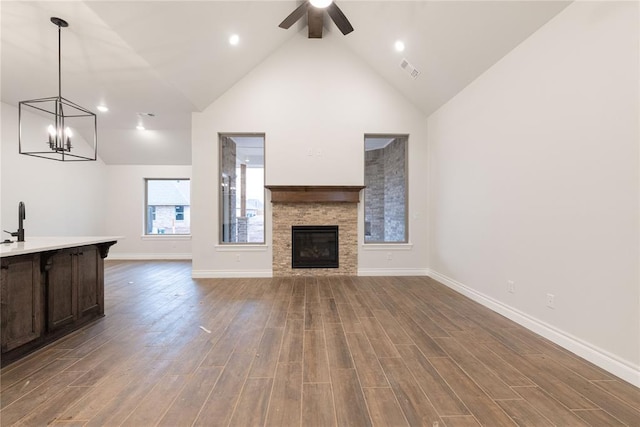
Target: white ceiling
<point>172,58</point>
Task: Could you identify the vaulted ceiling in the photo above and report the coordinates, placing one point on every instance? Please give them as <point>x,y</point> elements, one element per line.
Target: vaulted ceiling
<point>172,58</point>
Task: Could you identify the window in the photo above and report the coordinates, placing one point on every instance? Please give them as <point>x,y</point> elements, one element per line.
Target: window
<point>242,188</point>
<point>168,209</point>
<point>179,213</point>
<point>385,195</point>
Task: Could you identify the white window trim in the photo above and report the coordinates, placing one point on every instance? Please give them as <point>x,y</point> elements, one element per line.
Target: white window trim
<point>241,247</point>
<point>165,237</point>
<point>393,245</point>
<point>234,245</point>
<point>387,246</point>
<point>146,236</point>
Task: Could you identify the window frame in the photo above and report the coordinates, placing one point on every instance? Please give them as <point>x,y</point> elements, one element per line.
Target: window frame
<point>220,183</point>
<point>146,209</point>
<point>406,239</point>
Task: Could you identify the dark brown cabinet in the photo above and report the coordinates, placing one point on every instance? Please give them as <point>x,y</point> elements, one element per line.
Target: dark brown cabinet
<point>74,286</point>
<point>62,289</point>
<point>21,301</point>
<point>90,282</point>
<point>48,294</point>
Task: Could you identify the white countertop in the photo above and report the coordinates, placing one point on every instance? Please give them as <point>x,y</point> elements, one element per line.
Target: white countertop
<point>40,244</point>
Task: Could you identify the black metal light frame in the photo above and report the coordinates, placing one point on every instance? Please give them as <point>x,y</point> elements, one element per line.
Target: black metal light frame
<point>59,143</point>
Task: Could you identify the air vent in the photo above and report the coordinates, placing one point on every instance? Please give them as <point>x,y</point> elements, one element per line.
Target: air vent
<point>410,69</point>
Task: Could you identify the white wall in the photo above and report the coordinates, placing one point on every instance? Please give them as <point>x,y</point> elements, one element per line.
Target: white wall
<point>534,177</point>
<point>61,198</point>
<point>309,96</point>
<point>125,213</point>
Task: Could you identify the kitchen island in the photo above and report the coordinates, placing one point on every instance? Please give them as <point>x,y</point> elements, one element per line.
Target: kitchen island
<point>49,287</point>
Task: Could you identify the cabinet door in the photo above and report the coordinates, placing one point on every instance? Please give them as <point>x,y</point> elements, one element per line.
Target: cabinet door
<point>89,289</point>
<point>21,290</point>
<point>62,301</point>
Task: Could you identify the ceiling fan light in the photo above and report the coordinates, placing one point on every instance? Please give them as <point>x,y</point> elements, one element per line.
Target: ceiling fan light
<point>320,4</point>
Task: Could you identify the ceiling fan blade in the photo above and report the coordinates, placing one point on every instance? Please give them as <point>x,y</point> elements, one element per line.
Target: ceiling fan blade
<point>315,21</point>
<point>339,18</point>
<point>294,16</point>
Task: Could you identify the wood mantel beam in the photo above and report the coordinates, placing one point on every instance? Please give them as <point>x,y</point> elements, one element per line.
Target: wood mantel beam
<point>315,193</point>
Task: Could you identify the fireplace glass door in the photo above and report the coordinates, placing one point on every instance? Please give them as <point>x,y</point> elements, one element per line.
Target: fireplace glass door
<point>314,246</point>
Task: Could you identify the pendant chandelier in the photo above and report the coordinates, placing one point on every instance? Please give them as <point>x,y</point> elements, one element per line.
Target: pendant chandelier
<point>56,128</point>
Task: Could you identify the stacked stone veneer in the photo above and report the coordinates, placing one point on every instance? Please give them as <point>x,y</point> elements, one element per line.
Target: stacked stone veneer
<point>344,215</point>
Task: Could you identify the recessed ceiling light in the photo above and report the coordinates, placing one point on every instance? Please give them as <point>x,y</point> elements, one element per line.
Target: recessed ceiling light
<point>321,3</point>
<point>140,127</point>
<point>399,45</point>
<point>234,39</point>
<point>102,108</point>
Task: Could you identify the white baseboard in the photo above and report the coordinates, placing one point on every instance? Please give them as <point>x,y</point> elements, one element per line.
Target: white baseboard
<point>393,272</point>
<point>602,358</point>
<point>115,256</point>
<point>228,274</point>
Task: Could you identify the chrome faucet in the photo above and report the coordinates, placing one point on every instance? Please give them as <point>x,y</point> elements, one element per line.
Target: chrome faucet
<point>22,215</point>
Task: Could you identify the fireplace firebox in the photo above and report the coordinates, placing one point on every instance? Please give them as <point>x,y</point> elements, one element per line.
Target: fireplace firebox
<point>314,246</point>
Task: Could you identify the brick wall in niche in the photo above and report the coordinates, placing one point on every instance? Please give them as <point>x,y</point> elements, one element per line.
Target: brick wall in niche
<point>385,192</point>
<point>344,215</point>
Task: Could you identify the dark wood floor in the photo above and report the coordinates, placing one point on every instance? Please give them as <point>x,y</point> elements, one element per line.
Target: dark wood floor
<point>304,352</point>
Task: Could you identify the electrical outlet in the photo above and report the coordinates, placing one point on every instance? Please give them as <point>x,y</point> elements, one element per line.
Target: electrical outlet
<point>511,286</point>
<point>551,301</point>
<point>389,256</point>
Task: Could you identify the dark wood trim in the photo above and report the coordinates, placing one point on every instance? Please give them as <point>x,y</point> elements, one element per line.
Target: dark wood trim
<point>315,193</point>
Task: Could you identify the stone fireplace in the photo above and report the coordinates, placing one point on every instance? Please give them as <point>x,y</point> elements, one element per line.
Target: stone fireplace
<point>335,206</point>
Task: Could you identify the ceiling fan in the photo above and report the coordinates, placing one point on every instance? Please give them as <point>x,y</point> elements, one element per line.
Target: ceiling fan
<point>315,17</point>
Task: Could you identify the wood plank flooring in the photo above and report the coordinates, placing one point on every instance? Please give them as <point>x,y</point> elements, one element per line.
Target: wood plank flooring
<point>344,351</point>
